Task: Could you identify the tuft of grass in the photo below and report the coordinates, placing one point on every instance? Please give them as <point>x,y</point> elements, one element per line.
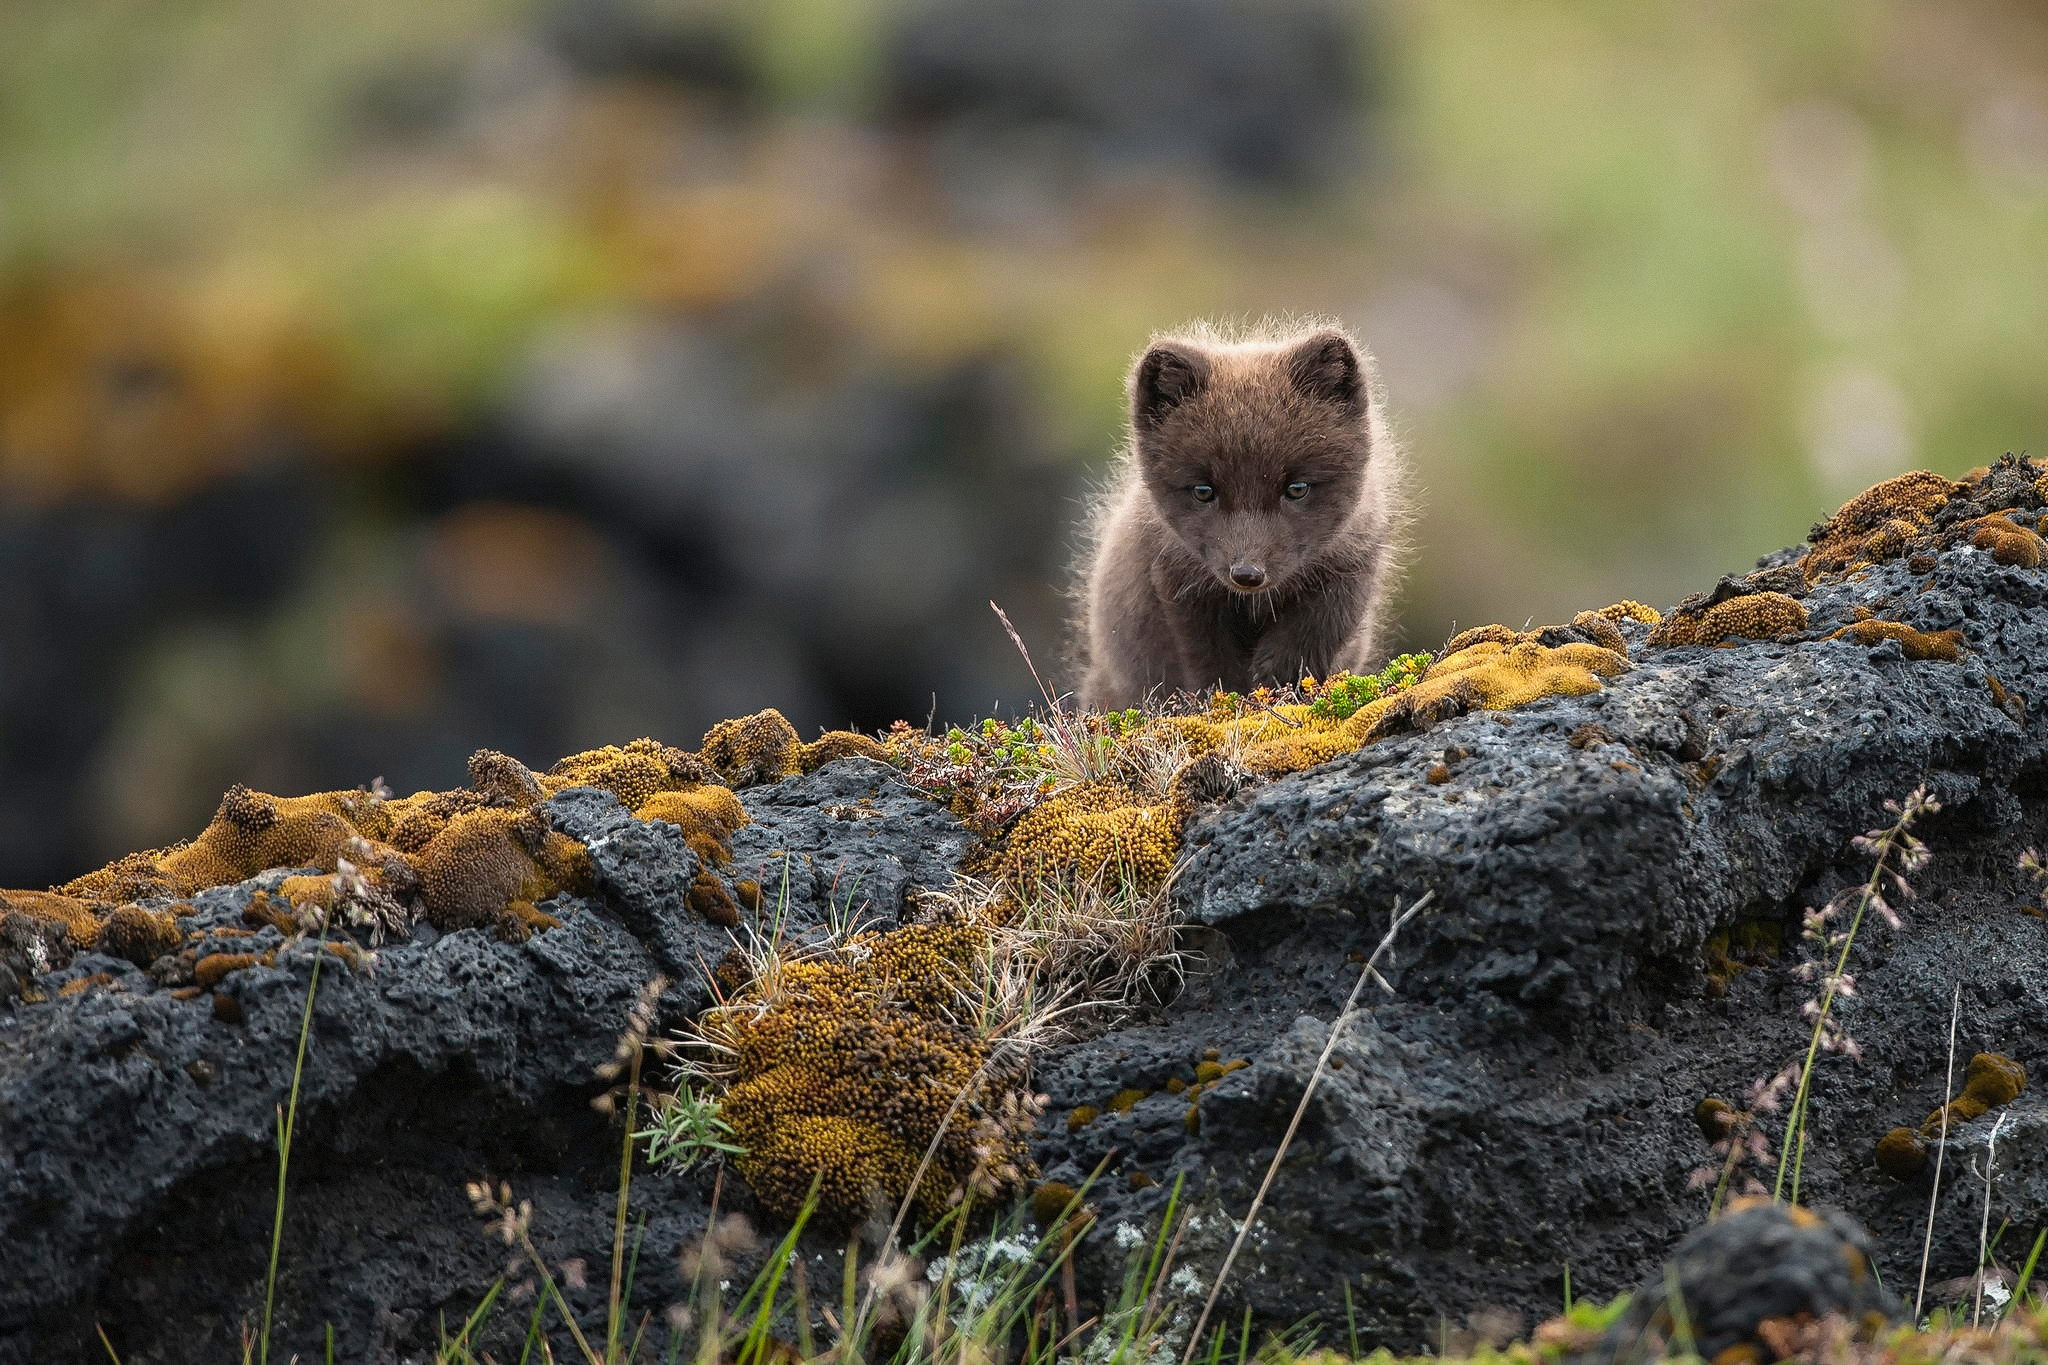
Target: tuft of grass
<point>684,1130</point>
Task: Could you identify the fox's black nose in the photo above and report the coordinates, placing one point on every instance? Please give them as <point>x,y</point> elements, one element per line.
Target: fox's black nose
<point>1248,575</point>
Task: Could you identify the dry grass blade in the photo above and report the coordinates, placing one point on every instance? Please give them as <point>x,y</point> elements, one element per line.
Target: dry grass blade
<point>1948,1084</point>
<point>1368,973</point>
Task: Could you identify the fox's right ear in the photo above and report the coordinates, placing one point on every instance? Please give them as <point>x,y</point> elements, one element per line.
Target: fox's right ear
<point>1167,377</point>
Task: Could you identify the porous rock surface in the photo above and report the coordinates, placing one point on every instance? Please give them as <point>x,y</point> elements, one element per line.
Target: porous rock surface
<point>1521,1100</point>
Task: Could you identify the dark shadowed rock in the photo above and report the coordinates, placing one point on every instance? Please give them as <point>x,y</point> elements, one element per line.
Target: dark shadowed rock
<point>1524,1099</point>
<point>851,841</point>
<point>1761,1272</point>
<point>1618,882</point>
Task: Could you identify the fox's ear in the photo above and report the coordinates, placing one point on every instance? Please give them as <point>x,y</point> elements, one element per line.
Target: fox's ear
<point>1167,377</point>
<point>1326,368</point>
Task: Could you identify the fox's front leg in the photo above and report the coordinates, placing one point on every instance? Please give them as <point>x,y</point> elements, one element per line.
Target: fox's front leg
<point>1313,635</point>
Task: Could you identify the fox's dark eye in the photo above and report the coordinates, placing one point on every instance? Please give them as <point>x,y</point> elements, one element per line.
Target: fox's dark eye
<point>1297,490</point>
<point>1203,493</point>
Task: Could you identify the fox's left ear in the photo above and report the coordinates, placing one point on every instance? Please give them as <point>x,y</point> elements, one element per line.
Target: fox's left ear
<point>1326,368</point>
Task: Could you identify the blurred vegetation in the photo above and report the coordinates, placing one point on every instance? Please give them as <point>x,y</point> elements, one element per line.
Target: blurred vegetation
<point>379,381</point>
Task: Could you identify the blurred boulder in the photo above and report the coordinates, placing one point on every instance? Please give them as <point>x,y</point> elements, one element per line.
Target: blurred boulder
<point>1263,93</point>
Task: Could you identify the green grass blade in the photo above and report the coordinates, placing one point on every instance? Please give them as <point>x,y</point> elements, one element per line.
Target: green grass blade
<point>532,1334</point>
<point>2019,1292</point>
<point>286,1125</point>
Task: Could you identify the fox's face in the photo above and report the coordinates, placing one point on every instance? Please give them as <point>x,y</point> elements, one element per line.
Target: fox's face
<point>1254,459</point>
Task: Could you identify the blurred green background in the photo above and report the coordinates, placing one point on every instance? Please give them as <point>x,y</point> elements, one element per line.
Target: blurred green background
<point>383,380</point>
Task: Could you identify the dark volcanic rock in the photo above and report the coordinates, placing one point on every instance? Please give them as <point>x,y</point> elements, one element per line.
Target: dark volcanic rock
<point>1737,1274</point>
<point>1524,1099</point>
<point>136,1148</point>
<point>851,841</point>
<point>1521,1100</point>
<point>1261,93</point>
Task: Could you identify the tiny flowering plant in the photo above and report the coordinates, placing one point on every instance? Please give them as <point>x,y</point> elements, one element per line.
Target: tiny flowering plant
<point>1896,855</point>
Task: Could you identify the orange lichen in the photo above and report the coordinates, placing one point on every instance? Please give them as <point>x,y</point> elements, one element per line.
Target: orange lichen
<point>1943,645</point>
<point>1878,524</point>
<point>1750,616</point>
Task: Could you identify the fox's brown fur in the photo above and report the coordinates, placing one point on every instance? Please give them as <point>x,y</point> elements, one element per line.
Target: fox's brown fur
<point>1266,580</point>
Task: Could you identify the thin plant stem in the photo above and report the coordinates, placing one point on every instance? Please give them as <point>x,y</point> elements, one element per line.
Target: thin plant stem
<point>614,1318</point>
<point>287,1122</point>
<point>1955,1011</point>
<point>1984,1228</point>
<point>1795,1123</point>
<point>1368,973</point>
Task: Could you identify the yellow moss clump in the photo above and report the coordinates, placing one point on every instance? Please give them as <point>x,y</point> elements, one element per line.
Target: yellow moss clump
<point>838,744</point>
<point>1102,833</point>
<point>1631,610</point>
<point>753,750</point>
<point>138,935</point>
<point>1901,1154</point>
<point>1488,668</point>
<point>80,920</point>
<point>2006,541</point>
<point>250,833</point>
<point>1492,677</point>
<point>707,815</point>
<point>1480,635</point>
<point>1994,1079</point>
<point>1877,524</point>
<point>632,772</point>
<point>1603,630</point>
<point>1943,645</point>
<point>479,864</point>
<point>846,1067</point>
<point>1753,616</point>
